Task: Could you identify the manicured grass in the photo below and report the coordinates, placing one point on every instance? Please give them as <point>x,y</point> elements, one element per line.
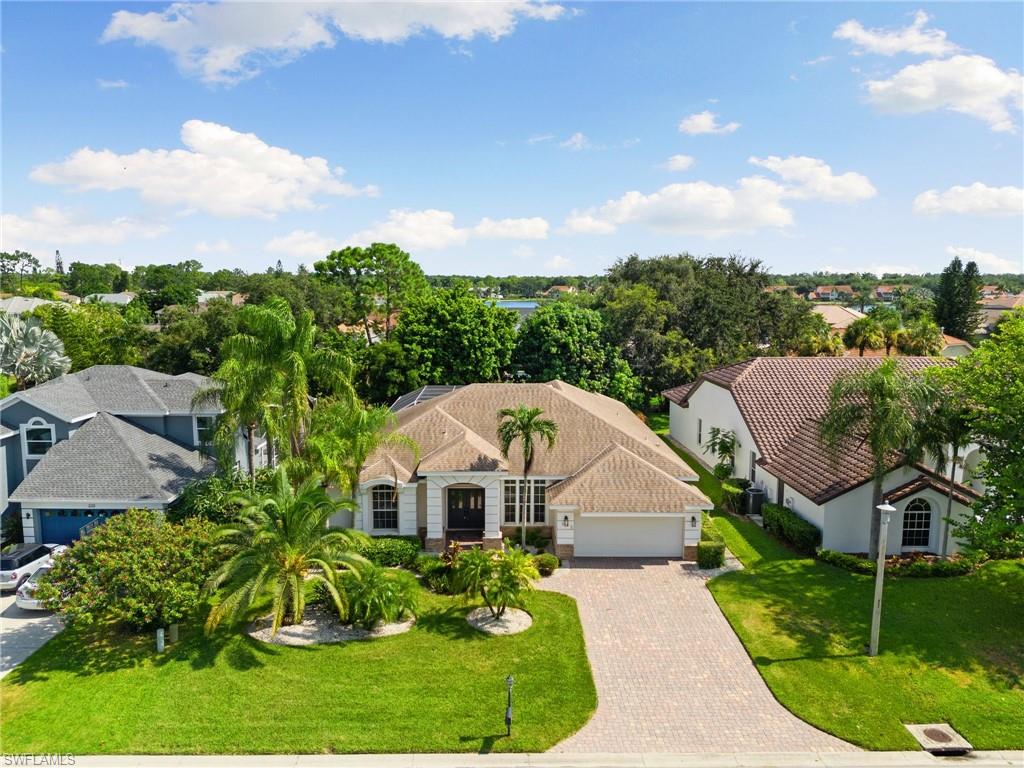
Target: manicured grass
<point>952,649</point>
<point>438,688</point>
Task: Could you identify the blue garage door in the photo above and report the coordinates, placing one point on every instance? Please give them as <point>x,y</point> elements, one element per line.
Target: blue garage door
<point>61,526</point>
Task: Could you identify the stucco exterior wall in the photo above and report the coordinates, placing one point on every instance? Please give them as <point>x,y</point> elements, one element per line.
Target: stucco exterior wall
<point>713,406</point>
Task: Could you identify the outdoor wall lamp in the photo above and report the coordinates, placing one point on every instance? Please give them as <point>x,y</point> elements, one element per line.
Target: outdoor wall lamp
<point>565,521</point>
<point>28,515</point>
<point>693,521</point>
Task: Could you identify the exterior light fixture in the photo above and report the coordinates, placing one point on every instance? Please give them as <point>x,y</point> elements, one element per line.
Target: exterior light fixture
<point>509,681</point>
<point>693,521</point>
<point>886,509</point>
<point>565,521</point>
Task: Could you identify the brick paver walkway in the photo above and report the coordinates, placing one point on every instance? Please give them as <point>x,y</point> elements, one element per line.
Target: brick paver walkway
<point>671,674</point>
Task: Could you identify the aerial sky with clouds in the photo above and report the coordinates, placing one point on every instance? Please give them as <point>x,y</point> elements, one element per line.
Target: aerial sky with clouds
<point>517,137</point>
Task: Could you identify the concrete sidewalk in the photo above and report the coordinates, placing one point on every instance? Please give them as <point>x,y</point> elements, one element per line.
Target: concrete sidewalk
<point>555,760</point>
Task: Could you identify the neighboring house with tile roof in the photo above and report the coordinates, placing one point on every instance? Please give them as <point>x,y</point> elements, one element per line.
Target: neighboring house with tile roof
<point>608,487</point>
<point>774,407</point>
<point>837,316</point>
<point>90,444</point>
<point>993,308</point>
<point>834,293</point>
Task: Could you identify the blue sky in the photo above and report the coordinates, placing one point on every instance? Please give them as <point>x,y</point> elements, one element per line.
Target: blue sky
<point>517,138</point>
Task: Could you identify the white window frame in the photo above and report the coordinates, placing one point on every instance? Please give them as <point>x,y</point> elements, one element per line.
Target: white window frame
<point>195,429</point>
<point>913,507</point>
<point>518,485</point>
<point>36,422</point>
<point>392,493</point>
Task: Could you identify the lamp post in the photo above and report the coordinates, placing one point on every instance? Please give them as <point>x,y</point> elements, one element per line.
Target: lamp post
<point>876,612</point>
<point>509,681</point>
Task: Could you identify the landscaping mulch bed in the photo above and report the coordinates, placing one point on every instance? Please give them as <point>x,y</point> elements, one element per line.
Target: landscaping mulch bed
<point>512,622</point>
<point>321,626</point>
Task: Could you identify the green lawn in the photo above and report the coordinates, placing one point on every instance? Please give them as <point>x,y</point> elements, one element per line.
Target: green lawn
<point>438,688</point>
<point>952,650</point>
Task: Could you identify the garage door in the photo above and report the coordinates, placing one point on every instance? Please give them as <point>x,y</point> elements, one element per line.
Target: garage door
<point>629,537</point>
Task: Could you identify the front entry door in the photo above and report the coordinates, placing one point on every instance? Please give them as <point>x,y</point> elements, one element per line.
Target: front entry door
<point>466,509</point>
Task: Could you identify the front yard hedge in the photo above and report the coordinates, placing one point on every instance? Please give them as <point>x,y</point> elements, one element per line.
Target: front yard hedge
<point>711,547</point>
<point>911,566</point>
<point>790,527</point>
<point>391,551</point>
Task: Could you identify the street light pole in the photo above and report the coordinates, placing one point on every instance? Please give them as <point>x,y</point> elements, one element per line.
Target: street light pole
<point>876,613</point>
<point>509,681</point>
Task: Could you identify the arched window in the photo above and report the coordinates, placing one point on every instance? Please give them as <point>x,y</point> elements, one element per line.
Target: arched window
<point>917,523</point>
<point>384,505</point>
<point>37,438</point>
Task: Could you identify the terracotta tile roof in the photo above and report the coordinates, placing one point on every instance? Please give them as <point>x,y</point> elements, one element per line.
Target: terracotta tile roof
<point>782,400</point>
<point>458,432</point>
<point>961,493</point>
<point>679,394</point>
<point>617,480</point>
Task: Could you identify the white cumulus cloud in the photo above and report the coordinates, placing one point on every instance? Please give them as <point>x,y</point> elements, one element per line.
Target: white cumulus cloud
<point>586,223</point>
<point>433,229</point>
<point>576,142</point>
<point>228,42</point>
<point>977,199</point>
<point>50,224</point>
<point>300,243</point>
<point>971,85</point>
<point>220,245</point>
<point>221,171</point>
<point>679,163</point>
<point>705,122</point>
<point>914,38</point>
<point>987,262</point>
<point>811,178</point>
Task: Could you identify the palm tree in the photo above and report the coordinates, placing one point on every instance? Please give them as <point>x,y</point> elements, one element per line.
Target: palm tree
<point>30,353</point>
<point>944,424</point>
<point>863,333</point>
<point>922,337</point>
<point>526,425</point>
<point>892,333</point>
<point>272,361</point>
<point>878,407</point>
<point>343,434</point>
<point>281,542</point>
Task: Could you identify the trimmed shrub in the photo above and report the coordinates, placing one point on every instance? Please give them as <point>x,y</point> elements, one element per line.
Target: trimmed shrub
<point>710,554</point>
<point>436,573</point>
<point>790,527</point>
<point>708,531</point>
<point>923,568</point>
<point>843,560</point>
<point>546,563</point>
<point>732,498</point>
<point>391,551</point>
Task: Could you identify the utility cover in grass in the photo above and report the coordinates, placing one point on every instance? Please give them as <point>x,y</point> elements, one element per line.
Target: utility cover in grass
<point>512,622</point>
<point>321,626</point>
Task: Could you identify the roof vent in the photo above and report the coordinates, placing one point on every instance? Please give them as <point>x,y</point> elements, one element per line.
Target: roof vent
<point>939,739</point>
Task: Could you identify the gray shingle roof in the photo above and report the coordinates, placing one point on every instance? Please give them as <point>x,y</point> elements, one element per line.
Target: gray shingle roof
<point>109,459</point>
<point>117,389</point>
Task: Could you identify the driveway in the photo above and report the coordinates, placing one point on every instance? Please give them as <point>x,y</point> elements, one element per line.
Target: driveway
<point>22,633</point>
<point>671,674</point>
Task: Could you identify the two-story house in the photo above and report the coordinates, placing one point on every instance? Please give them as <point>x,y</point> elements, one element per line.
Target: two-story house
<point>90,444</point>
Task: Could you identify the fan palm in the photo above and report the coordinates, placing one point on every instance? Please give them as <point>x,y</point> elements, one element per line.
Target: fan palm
<point>878,407</point>
<point>922,337</point>
<point>29,352</point>
<point>281,542</point>
<point>527,426</point>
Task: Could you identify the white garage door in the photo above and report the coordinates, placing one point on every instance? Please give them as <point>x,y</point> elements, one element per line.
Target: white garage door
<point>629,537</point>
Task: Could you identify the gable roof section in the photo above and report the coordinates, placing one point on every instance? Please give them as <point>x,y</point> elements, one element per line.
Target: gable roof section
<point>109,459</point>
<point>468,452</point>
<point>617,480</point>
<point>961,493</point>
<point>117,389</point>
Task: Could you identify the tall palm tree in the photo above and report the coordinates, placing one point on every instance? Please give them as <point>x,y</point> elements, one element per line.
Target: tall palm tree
<point>878,407</point>
<point>944,426</point>
<point>527,426</point>
<point>343,434</point>
<point>29,352</point>
<point>922,337</point>
<point>272,362</point>
<point>863,333</point>
<point>892,332</point>
<point>281,542</point>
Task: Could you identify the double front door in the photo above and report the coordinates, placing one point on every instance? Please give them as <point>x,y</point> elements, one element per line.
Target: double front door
<point>466,509</point>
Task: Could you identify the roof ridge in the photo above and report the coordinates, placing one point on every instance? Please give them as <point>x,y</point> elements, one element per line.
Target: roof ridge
<point>135,374</point>
<point>117,424</point>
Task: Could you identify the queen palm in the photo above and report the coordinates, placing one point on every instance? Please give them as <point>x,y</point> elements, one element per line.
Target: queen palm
<point>279,543</point>
<point>879,408</point>
<point>527,426</point>
<point>29,352</point>
<point>864,333</point>
<point>343,434</point>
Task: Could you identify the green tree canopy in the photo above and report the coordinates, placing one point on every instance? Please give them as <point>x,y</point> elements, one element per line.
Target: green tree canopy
<point>957,300</point>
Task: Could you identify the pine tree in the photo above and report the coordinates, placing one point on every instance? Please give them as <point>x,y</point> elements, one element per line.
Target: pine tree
<point>957,308</point>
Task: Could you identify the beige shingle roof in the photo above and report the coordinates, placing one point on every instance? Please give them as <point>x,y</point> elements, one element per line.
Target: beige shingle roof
<point>617,480</point>
<point>458,432</point>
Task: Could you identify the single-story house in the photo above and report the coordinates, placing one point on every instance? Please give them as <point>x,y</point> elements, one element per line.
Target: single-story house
<point>20,305</point>
<point>994,307</point>
<point>122,299</point>
<point>774,406</point>
<point>609,487</point>
<point>837,316</point>
<point>91,444</point>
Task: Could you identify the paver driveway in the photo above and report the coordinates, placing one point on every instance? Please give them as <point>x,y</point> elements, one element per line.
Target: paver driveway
<point>671,674</point>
